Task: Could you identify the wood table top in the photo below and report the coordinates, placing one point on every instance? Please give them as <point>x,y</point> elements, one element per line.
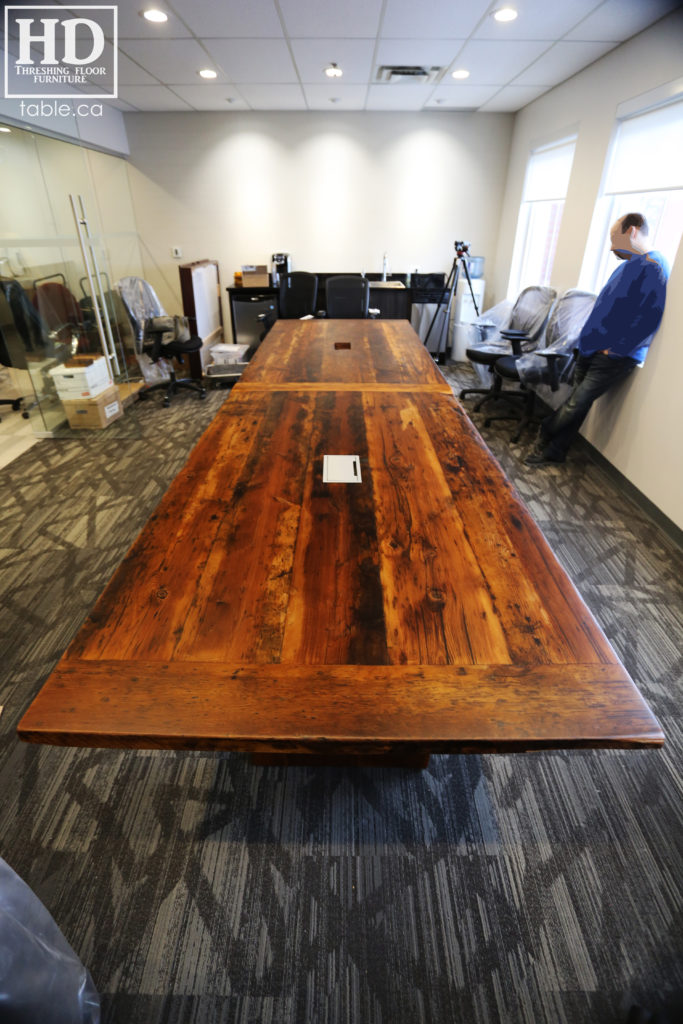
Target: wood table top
<point>343,354</point>
<point>417,611</point>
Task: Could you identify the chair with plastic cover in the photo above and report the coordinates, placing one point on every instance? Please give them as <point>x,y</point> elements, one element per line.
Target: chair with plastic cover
<point>520,334</point>
<point>546,372</point>
<point>157,340</point>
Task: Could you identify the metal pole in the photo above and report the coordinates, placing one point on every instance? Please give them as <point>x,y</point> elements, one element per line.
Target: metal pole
<point>98,279</point>
<point>86,263</point>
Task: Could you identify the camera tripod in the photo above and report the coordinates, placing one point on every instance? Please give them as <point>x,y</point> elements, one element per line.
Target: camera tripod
<point>461,250</point>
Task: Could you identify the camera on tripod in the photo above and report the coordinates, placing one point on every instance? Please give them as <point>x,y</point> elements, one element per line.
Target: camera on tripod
<point>461,248</point>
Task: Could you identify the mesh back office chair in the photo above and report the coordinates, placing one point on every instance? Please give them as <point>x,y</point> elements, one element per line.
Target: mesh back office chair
<point>547,371</point>
<point>522,333</point>
<point>297,298</point>
<point>143,304</point>
<point>347,297</point>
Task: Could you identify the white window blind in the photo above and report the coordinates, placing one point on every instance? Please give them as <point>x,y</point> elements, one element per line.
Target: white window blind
<point>548,172</point>
<point>647,153</point>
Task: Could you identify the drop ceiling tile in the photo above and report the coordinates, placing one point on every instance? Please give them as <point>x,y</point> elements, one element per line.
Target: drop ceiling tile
<point>617,20</point>
<point>511,98</point>
<point>433,52</point>
<point>561,61</point>
<point>173,61</point>
<point>131,73</point>
<point>354,57</point>
<point>131,24</point>
<point>398,97</point>
<point>211,97</point>
<point>335,97</point>
<point>431,19</point>
<point>151,97</point>
<point>462,97</point>
<point>274,97</point>
<point>493,63</point>
<point>538,19</point>
<point>231,18</point>
<point>253,60</point>
<point>352,19</point>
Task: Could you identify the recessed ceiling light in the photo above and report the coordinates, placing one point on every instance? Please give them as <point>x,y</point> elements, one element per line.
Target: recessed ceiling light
<point>505,14</point>
<point>333,71</point>
<point>460,73</point>
<point>154,14</point>
<point>208,73</point>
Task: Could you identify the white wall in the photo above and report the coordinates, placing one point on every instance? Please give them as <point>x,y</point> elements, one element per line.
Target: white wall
<point>335,190</point>
<point>639,427</point>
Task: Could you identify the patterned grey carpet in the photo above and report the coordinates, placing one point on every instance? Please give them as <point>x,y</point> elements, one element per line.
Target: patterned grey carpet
<point>197,888</point>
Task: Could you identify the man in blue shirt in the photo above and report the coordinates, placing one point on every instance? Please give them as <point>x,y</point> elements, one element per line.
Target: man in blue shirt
<point>615,338</point>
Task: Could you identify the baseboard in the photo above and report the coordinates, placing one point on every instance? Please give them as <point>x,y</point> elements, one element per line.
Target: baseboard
<point>674,532</point>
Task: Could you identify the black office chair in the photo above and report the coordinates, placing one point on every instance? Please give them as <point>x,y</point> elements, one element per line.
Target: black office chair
<point>12,351</point>
<point>297,298</point>
<point>521,334</point>
<point>347,297</point>
<point>158,337</point>
<point>544,371</point>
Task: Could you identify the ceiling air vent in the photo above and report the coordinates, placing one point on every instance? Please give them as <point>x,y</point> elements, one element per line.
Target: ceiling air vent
<point>416,73</point>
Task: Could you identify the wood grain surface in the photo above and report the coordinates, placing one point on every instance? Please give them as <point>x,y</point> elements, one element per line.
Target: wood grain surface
<point>343,352</point>
<point>420,610</point>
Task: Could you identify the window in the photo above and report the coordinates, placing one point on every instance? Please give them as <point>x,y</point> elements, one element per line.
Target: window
<point>540,215</point>
<point>644,175</point>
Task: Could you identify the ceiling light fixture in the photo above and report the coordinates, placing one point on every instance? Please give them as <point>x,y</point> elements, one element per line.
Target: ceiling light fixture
<point>505,14</point>
<point>460,73</point>
<point>154,14</point>
<point>3,128</point>
<point>207,73</point>
<point>333,71</point>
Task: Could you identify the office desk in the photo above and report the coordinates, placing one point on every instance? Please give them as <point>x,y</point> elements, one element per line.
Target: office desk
<point>418,611</point>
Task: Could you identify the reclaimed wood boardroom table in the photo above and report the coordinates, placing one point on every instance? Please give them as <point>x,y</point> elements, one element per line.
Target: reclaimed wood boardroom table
<point>416,610</point>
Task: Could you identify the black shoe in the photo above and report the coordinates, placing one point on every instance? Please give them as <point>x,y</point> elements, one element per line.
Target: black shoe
<point>539,458</point>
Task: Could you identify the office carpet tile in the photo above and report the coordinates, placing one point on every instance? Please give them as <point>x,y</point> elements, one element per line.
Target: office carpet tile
<point>198,889</point>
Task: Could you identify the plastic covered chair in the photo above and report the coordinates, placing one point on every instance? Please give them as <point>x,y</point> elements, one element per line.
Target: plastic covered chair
<point>520,334</point>
<point>546,371</point>
<point>157,346</point>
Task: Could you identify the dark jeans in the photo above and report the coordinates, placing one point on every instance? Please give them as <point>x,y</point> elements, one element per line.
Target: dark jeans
<point>593,375</point>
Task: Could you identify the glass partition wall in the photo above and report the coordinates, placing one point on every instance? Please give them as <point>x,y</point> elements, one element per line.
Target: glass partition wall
<point>67,234</point>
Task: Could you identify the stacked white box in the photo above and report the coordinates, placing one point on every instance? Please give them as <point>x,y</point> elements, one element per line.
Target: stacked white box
<point>81,377</point>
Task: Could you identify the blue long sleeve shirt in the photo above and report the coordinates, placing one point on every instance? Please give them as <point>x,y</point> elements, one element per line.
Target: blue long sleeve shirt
<point>629,309</point>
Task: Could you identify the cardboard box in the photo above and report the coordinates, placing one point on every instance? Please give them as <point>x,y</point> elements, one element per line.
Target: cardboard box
<point>255,276</point>
<point>81,377</point>
<point>94,413</point>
